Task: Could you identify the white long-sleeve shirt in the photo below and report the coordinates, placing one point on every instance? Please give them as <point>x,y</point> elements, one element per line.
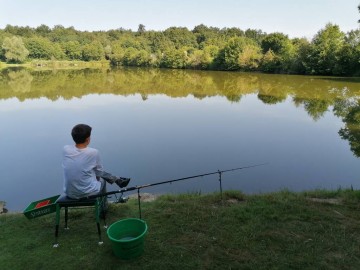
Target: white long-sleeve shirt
<point>80,168</point>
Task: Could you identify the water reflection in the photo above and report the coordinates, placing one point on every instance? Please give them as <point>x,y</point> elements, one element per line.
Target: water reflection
<point>271,89</point>
<point>351,131</point>
<point>316,95</point>
<point>225,119</point>
<point>20,81</point>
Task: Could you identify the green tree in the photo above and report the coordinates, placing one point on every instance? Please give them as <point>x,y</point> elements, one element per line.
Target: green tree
<point>117,54</point>
<point>42,48</point>
<point>241,53</point>
<point>158,42</point>
<point>327,44</point>
<point>256,35</point>
<point>14,50</point>
<point>301,56</point>
<point>93,51</point>
<point>133,57</point>
<point>174,59</point>
<point>275,42</point>
<point>349,55</point>
<point>61,34</point>
<point>270,62</point>
<point>284,50</point>
<point>43,30</point>
<point>108,51</point>
<point>195,59</point>
<point>141,29</point>
<point>72,50</point>
<point>181,37</point>
<point>19,30</point>
<point>232,32</point>
<point>209,53</point>
<point>204,34</point>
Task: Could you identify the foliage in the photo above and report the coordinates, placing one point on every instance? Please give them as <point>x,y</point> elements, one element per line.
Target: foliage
<point>241,53</point>
<point>181,37</point>
<point>270,62</point>
<point>174,59</point>
<point>330,52</point>
<point>327,45</point>
<point>351,131</point>
<point>14,50</point>
<point>72,50</point>
<point>42,48</point>
<point>93,51</point>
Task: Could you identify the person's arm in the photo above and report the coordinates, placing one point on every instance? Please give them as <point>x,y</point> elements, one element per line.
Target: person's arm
<point>108,177</point>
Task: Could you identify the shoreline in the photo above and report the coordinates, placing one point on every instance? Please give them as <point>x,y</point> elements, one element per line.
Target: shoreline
<point>57,64</point>
<point>316,197</point>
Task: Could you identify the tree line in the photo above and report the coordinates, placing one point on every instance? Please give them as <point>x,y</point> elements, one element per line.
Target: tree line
<point>330,52</point>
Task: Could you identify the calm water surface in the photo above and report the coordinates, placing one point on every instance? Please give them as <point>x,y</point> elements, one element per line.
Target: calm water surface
<point>155,125</point>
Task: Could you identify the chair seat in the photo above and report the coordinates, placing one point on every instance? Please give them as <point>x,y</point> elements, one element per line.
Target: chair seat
<point>64,201</point>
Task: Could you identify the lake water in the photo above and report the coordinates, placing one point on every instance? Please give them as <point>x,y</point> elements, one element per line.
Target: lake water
<point>155,125</point>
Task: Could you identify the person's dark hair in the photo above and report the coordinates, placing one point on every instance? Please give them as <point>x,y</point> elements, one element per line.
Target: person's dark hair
<point>80,133</point>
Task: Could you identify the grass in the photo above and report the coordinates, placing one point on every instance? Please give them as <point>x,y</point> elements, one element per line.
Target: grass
<point>282,230</point>
<point>58,64</point>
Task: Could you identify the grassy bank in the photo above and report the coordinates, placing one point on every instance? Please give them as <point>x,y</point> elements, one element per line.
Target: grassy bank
<point>55,64</point>
<point>284,230</point>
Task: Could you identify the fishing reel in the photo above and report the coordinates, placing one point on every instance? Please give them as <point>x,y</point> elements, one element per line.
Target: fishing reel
<point>122,198</point>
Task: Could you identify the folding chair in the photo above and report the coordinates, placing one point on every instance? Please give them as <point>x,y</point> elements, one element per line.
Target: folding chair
<point>66,202</point>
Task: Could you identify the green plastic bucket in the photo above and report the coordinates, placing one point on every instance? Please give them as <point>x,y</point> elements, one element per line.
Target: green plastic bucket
<point>127,237</point>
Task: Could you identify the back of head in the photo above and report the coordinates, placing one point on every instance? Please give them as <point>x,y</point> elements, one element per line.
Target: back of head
<point>80,133</point>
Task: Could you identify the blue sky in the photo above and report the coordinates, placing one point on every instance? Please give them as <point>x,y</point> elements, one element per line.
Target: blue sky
<point>296,18</point>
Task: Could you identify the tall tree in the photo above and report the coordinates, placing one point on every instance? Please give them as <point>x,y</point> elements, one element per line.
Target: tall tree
<point>349,55</point>
<point>181,37</point>
<point>72,50</point>
<point>241,53</point>
<point>93,51</point>
<point>42,48</point>
<point>141,29</point>
<point>14,50</point>
<point>327,44</point>
<point>274,41</point>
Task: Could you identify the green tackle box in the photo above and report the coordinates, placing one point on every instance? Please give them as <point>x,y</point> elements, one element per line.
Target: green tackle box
<point>41,207</point>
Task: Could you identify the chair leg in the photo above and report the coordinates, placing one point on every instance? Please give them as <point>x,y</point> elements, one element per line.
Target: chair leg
<point>98,205</point>
<point>103,209</point>
<point>57,221</point>
<point>66,218</point>
<point>97,214</point>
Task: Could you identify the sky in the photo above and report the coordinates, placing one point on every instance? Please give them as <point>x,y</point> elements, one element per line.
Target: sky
<point>296,18</point>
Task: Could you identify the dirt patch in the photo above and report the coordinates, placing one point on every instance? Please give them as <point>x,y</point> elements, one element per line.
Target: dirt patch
<point>233,201</point>
<point>144,197</point>
<point>329,201</point>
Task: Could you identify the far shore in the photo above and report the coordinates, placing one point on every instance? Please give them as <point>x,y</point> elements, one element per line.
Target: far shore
<point>57,64</point>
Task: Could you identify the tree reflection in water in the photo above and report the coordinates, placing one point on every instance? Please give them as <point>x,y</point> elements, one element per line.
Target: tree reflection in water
<point>317,95</point>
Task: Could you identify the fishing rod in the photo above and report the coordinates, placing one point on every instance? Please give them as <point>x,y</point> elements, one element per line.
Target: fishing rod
<point>138,188</point>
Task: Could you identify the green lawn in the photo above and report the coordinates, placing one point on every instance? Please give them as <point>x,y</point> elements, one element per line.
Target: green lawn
<point>284,230</point>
